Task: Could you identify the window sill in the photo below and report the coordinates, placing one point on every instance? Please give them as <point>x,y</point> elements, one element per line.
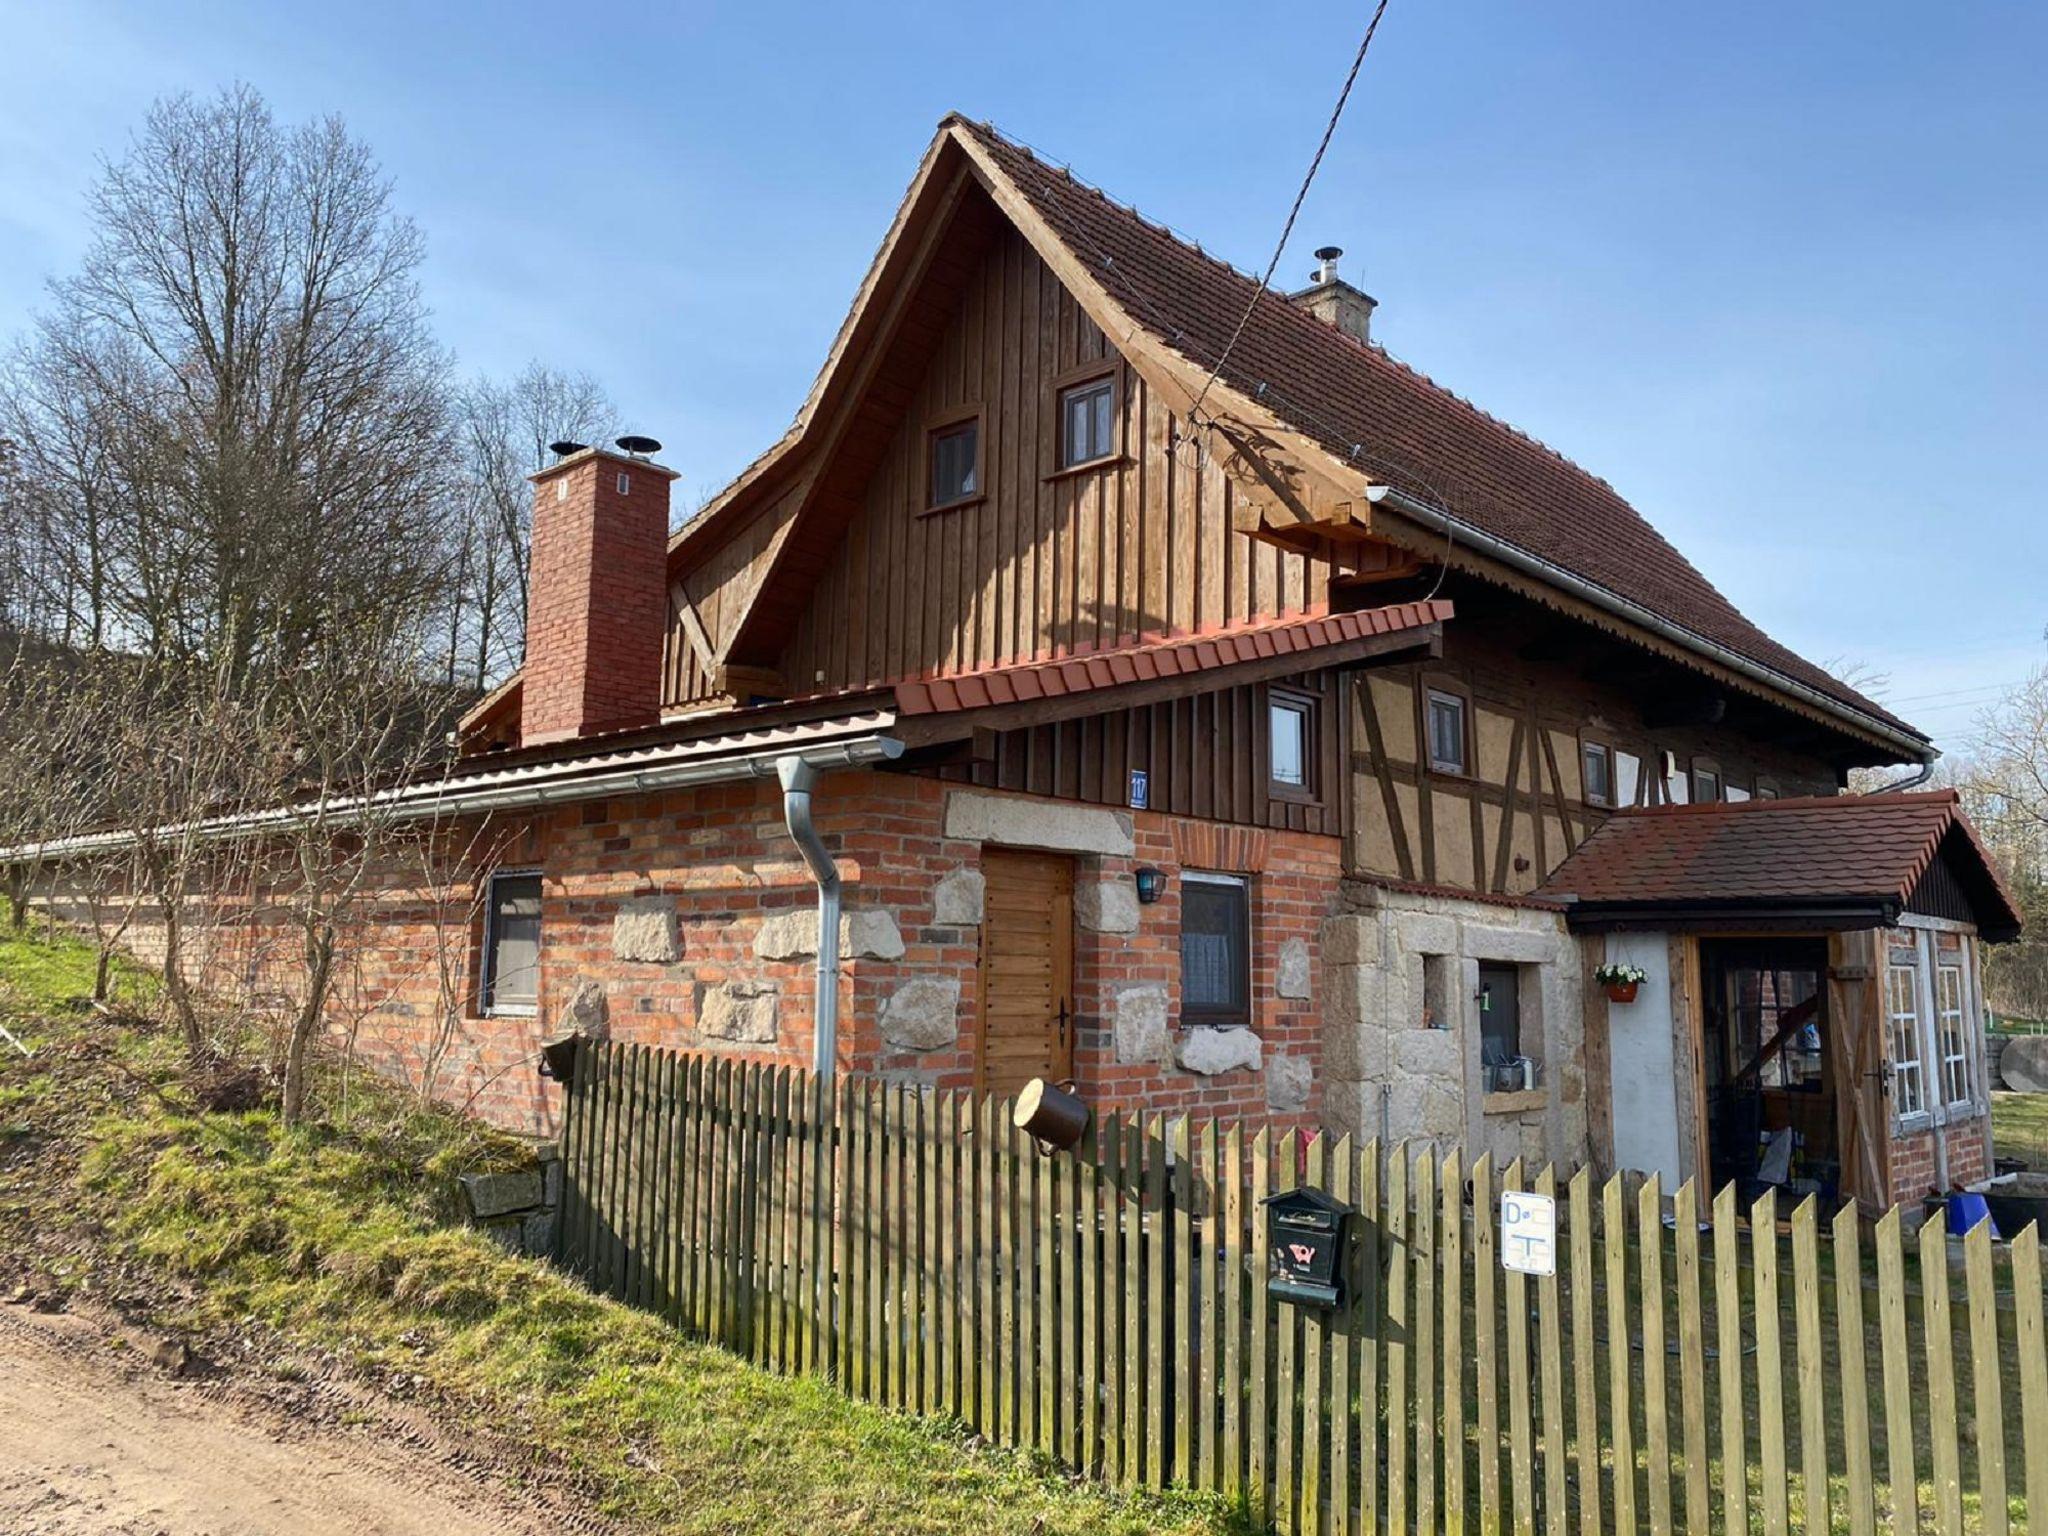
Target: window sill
<point>1292,794</point>
<point>491,1015</point>
<point>1516,1101</point>
<point>955,506</point>
<point>1089,467</point>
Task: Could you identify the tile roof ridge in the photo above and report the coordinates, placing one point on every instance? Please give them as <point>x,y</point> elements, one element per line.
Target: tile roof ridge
<point>1870,803</point>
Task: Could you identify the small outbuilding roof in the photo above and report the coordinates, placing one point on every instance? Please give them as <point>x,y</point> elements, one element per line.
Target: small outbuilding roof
<point>1819,862</point>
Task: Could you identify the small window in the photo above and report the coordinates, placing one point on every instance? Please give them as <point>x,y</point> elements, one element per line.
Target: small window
<point>1290,724</point>
<point>956,463</point>
<point>1677,782</point>
<point>1734,793</point>
<point>1902,1018</point>
<point>1628,778</point>
<point>1598,763</point>
<point>511,948</point>
<point>1766,790</point>
<point>1500,1015</point>
<point>1446,732</point>
<point>1957,1081</point>
<point>1087,422</point>
<point>1215,949</point>
<point>1706,783</point>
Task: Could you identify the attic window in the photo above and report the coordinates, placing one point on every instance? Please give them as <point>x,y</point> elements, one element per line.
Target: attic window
<point>1598,759</point>
<point>1290,721</point>
<point>1087,422</point>
<point>956,463</point>
<point>1446,732</point>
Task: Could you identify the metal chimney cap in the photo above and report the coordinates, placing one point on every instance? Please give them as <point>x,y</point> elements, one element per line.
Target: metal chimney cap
<point>562,448</point>
<point>1329,252</point>
<point>639,447</point>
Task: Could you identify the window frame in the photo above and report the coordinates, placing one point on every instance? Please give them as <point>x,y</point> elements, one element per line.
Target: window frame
<point>487,1005</point>
<point>1104,374</point>
<point>1959,1063</point>
<point>1588,747</point>
<point>1906,1024</point>
<point>1309,708</point>
<point>1448,693</point>
<point>1238,1013</point>
<point>968,418</point>
<point>1704,768</point>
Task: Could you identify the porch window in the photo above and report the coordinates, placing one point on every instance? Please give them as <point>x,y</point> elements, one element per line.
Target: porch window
<point>1957,1087</point>
<point>1902,1018</point>
<point>1598,763</point>
<point>511,945</point>
<point>1215,949</point>
<point>1087,422</point>
<point>1706,782</point>
<point>1446,732</point>
<point>956,463</point>
<point>1628,778</point>
<point>1290,724</point>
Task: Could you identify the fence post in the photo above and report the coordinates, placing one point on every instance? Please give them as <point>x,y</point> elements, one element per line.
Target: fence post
<point>1939,1338</point>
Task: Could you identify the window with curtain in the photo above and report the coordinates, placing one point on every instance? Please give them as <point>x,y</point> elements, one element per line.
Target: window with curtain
<point>1087,422</point>
<point>1215,949</point>
<point>511,947</point>
<point>1902,1019</point>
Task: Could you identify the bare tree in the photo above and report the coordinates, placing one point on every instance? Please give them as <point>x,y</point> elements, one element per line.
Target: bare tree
<point>233,410</point>
<point>2004,782</point>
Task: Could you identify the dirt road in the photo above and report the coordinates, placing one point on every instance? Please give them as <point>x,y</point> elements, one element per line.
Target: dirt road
<point>96,1441</point>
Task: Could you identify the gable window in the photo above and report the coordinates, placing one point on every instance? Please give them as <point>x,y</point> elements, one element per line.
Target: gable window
<point>511,945</point>
<point>1902,1033</point>
<point>1597,761</point>
<point>1087,422</point>
<point>1447,732</point>
<point>1215,949</point>
<point>1957,1085</point>
<point>956,463</point>
<point>1290,751</point>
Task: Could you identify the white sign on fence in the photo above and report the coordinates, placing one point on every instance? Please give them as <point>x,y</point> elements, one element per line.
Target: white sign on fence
<point>1528,1233</point>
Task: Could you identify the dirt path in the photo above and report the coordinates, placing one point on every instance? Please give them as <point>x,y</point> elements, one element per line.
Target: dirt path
<point>95,1441</point>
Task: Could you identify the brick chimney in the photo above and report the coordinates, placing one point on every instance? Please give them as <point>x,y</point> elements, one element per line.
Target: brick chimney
<point>1335,302</point>
<point>597,596</point>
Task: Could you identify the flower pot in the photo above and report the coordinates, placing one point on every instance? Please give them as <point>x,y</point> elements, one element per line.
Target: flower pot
<point>1622,991</point>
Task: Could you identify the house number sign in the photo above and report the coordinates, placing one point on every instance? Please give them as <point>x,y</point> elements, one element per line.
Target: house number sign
<point>1141,789</point>
<point>1528,1233</point>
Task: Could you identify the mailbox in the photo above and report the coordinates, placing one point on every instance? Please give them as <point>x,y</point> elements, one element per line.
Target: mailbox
<point>558,1060</point>
<point>1305,1233</point>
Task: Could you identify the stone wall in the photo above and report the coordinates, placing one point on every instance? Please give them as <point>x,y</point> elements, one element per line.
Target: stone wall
<point>1401,1028</point>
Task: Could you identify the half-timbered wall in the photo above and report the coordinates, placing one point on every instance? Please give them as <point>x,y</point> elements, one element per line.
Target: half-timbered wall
<point>1043,562</point>
<point>706,602</point>
<point>1522,809</point>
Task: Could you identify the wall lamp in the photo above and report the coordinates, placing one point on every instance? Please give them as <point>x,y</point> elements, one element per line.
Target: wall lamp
<point>1151,884</point>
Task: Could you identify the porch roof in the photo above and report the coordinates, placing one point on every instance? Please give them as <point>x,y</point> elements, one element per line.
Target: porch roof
<point>1819,862</point>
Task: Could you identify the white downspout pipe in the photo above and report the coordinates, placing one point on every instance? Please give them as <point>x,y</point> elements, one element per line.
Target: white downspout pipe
<point>798,779</point>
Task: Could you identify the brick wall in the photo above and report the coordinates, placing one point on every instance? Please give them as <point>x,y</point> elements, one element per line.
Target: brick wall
<point>720,860</point>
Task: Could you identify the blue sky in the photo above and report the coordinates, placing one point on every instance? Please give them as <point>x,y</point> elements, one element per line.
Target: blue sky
<point>1775,271</point>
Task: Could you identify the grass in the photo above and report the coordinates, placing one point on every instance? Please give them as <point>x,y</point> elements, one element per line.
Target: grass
<point>2019,1127</point>
<point>339,1240</point>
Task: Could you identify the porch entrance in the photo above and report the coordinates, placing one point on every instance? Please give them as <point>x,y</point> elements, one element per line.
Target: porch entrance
<point>1027,971</point>
<point>1770,1067</point>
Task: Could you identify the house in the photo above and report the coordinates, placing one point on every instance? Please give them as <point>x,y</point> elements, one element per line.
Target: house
<point>1116,674</point>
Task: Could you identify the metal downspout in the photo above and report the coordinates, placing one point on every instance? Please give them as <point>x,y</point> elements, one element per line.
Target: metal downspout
<point>798,779</point>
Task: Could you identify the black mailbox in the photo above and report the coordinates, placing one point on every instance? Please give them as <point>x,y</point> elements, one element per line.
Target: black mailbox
<point>1305,1231</point>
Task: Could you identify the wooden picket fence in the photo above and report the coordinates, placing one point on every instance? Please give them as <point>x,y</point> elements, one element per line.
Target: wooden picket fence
<point>1687,1368</point>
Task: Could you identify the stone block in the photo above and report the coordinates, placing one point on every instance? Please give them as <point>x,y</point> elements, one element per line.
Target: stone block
<point>1291,972</point>
<point>1426,933</point>
<point>1351,939</point>
<point>1435,1053</point>
<point>1350,1108</point>
<point>923,1014</point>
<point>644,929</point>
<point>957,900</point>
<point>2024,1066</point>
<point>1211,1052</point>
<point>1140,1033</point>
<point>499,1194</point>
<point>588,1012</point>
<point>983,818</point>
<point>1288,1079</point>
<point>1106,906</point>
<point>742,1012</point>
<point>1516,946</point>
<point>864,933</point>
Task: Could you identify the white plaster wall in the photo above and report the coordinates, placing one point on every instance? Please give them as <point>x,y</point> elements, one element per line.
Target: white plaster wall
<point>1639,1049</point>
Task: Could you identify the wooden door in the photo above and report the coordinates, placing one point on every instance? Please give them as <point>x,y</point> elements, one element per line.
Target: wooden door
<point>1027,971</point>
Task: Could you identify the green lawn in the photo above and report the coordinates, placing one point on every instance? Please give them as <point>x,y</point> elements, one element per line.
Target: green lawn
<point>339,1240</point>
<point>2019,1127</point>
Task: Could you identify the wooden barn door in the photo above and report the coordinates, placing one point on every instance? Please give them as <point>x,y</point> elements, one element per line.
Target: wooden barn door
<point>1027,971</point>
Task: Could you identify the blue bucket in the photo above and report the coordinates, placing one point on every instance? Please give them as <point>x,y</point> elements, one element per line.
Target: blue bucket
<point>1965,1210</point>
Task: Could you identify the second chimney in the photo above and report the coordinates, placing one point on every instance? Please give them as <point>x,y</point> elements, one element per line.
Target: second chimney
<point>1335,302</point>
<point>597,596</point>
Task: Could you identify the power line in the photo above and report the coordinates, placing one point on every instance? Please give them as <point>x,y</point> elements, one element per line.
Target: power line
<point>1287,229</point>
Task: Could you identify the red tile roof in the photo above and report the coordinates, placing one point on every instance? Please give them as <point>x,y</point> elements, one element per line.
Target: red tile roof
<point>1371,411</point>
<point>1148,659</point>
<point>1831,849</point>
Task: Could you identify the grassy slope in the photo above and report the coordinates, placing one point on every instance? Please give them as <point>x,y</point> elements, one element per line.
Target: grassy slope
<point>338,1240</point>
